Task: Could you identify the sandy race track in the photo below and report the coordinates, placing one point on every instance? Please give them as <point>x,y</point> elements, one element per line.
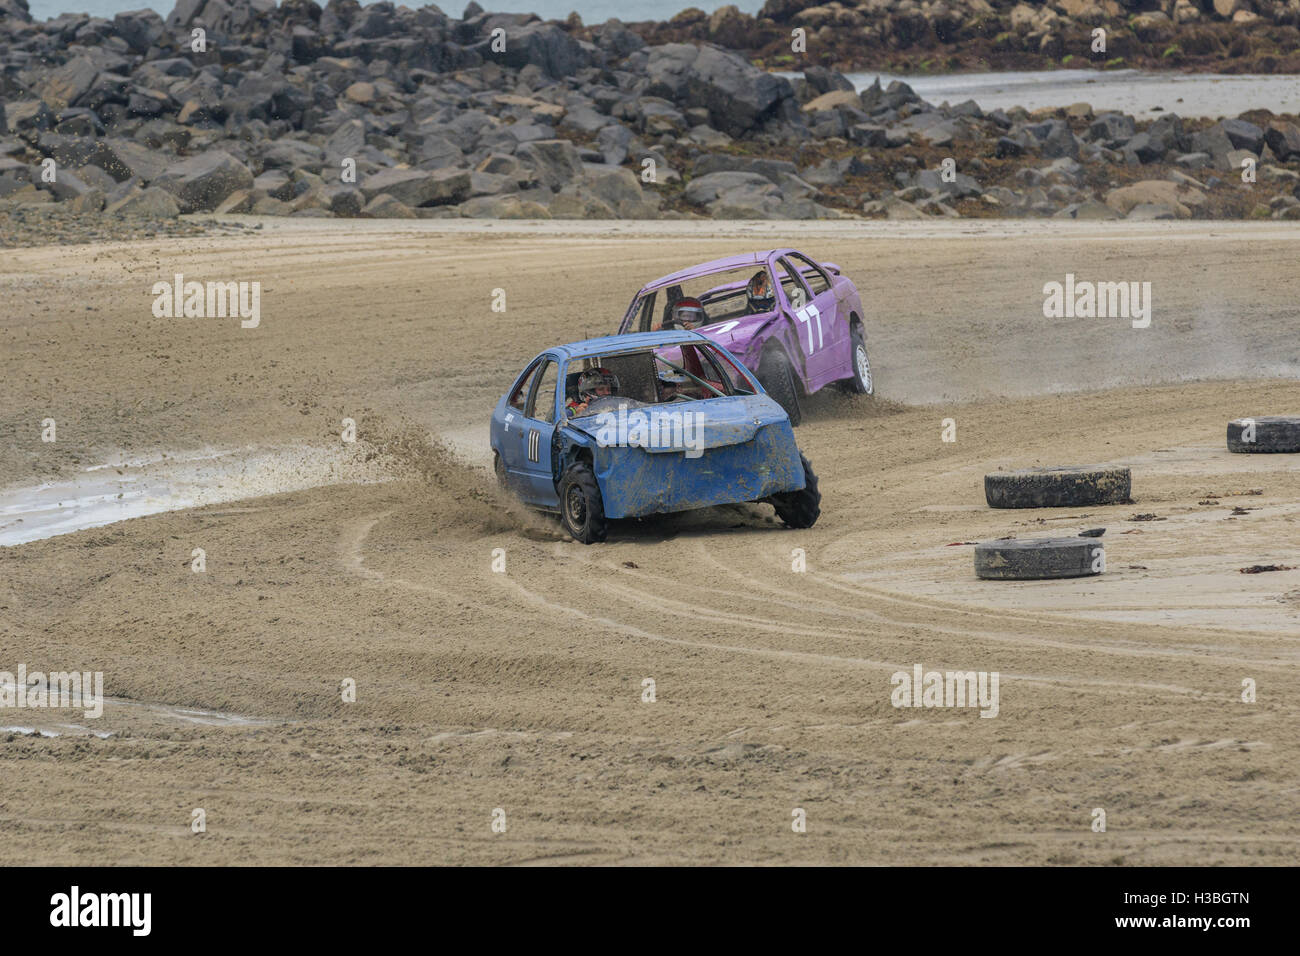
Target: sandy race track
<point>522,691</point>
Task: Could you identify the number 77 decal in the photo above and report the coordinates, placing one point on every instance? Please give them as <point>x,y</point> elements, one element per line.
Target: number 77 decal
<point>811,314</point>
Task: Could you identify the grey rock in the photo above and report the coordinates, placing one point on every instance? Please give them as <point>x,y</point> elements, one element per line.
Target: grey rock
<point>293,154</point>
<point>140,29</point>
<point>418,187</point>
<point>614,143</point>
<point>1054,138</point>
<point>613,185</point>
<point>489,184</point>
<point>344,201</point>
<point>1149,211</point>
<point>1007,147</point>
<point>1215,142</point>
<point>618,41</point>
<point>69,83</point>
<point>1141,149</point>
<point>90,201</point>
<point>708,137</point>
<point>384,206</point>
<point>961,187</point>
<point>68,185</point>
<point>543,45</point>
<point>435,151</point>
<point>1193,160</point>
<point>276,184</point>
<point>503,207</point>
<point>201,182</point>
<point>27,116</point>
<point>869,134</point>
<point>711,186</point>
<point>577,202</point>
<point>125,160</point>
<point>1167,132</point>
<point>555,162</point>
<point>584,119</point>
<point>346,142</point>
<point>1112,129</point>
<point>822,80</point>
<point>1244,135</point>
<point>737,95</point>
<point>770,169</point>
<point>153,203</point>
<point>268,206</point>
<point>1283,139</point>
<point>237,203</point>
<point>500,164</point>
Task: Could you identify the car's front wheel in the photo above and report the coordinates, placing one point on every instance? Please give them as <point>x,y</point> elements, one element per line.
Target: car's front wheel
<point>800,509</point>
<point>860,382</point>
<point>777,378</point>
<point>582,512</point>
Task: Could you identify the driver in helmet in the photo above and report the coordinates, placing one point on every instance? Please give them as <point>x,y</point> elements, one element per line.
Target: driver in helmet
<point>593,383</point>
<point>759,292</point>
<point>685,313</point>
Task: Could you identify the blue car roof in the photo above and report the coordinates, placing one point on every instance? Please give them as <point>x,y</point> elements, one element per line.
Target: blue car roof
<point>608,344</point>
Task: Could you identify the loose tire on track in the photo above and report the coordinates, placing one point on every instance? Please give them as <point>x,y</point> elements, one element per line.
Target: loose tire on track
<point>1033,559</point>
<point>800,509</point>
<point>1058,487</point>
<point>1273,434</point>
<point>777,378</point>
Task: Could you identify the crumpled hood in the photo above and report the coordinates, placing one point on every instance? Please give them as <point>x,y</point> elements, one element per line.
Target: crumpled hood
<point>690,427</point>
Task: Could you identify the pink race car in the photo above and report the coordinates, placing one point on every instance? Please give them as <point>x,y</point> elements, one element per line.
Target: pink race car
<point>795,322</point>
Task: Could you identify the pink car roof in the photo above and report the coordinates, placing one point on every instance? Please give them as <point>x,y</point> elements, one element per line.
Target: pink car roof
<point>717,265</point>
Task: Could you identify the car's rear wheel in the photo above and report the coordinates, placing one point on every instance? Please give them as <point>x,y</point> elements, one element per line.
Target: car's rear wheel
<point>499,469</point>
<point>776,376</point>
<point>582,512</point>
<point>860,382</point>
<point>800,509</point>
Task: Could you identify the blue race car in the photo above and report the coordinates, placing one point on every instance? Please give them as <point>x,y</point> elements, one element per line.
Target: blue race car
<point>646,423</point>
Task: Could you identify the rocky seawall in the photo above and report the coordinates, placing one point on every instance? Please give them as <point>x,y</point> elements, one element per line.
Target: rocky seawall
<point>240,106</point>
<point>903,36</point>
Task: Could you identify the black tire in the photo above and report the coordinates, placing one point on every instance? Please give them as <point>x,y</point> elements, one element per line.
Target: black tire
<point>1058,487</point>
<point>800,509</point>
<point>1274,434</point>
<point>861,381</point>
<point>499,469</point>
<point>1034,559</point>
<point>582,512</point>
<point>776,376</point>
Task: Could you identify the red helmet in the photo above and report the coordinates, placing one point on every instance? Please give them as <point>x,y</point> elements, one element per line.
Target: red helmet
<point>594,378</point>
<point>688,310</point>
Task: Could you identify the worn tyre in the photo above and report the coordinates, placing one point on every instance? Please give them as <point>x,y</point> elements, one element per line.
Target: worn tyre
<point>1058,487</point>
<point>860,382</point>
<point>582,511</point>
<point>1033,559</point>
<point>499,469</point>
<point>1273,434</point>
<point>800,509</point>
<point>777,378</point>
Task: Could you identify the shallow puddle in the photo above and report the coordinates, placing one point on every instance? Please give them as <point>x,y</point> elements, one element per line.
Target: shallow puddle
<point>134,487</point>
